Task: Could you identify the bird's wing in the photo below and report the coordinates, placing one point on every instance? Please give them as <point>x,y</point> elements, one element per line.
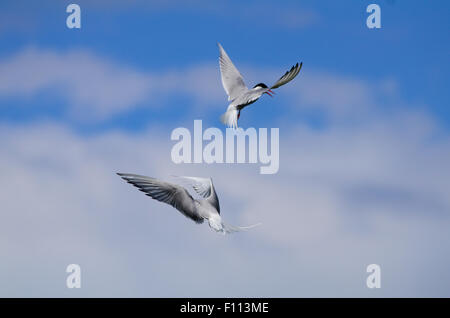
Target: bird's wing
<point>232,80</point>
<point>288,76</point>
<point>172,194</point>
<point>205,188</point>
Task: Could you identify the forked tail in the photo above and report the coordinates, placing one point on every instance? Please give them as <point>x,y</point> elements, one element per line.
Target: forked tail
<point>230,118</point>
<point>231,228</point>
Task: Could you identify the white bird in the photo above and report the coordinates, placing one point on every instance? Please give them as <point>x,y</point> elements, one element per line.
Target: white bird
<point>177,196</point>
<point>238,93</point>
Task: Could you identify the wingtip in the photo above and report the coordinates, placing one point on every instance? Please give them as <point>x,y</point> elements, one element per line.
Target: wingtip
<point>122,175</point>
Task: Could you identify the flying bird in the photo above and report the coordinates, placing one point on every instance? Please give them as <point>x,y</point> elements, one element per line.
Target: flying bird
<point>238,93</point>
<point>177,196</point>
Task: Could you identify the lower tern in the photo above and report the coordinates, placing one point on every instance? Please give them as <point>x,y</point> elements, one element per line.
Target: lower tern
<point>238,93</point>
<point>177,196</point>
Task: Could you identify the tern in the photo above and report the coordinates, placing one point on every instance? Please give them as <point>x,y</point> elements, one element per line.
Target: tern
<point>238,93</point>
<point>177,196</point>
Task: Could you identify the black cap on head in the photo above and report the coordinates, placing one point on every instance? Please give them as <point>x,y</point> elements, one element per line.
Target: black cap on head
<point>260,85</point>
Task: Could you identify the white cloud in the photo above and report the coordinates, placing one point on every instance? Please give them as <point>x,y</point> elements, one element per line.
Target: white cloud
<point>335,94</point>
<point>91,85</point>
<point>375,191</point>
<point>96,88</point>
<point>16,21</point>
<point>273,15</point>
<point>262,14</point>
<point>342,199</point>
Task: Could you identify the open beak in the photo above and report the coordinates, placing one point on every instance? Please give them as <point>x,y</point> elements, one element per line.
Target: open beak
<point>269,91</point>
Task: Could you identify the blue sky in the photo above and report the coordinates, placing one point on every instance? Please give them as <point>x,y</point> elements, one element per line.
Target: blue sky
<point>364,147</point>
<point>331,37</point>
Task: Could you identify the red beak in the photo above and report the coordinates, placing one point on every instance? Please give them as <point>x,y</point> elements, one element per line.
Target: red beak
<point>269,91</point>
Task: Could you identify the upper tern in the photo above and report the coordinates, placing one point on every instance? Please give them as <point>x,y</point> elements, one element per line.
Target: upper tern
<point>238,93</point>
<point>177,196</point>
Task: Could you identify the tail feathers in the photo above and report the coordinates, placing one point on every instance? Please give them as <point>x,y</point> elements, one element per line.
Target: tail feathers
<point>231,228</point>
<point>230,118</point>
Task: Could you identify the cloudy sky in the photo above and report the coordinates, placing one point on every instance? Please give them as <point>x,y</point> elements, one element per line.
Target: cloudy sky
<point>364,148</point>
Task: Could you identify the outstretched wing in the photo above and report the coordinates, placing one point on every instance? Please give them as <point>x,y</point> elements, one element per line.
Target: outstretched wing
<point>169,193</point>
<point>288,76</point>
<point>205,188</point>
<point>232,80</point>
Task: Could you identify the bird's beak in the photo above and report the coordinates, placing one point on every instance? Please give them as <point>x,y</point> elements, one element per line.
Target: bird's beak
<point>268,92</point>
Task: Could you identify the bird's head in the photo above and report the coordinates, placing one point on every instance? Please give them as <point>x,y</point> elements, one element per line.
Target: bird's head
<point>264,88</point>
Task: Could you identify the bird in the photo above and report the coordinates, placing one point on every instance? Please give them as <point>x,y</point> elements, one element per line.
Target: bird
<point>177,196</point>
<point>238,93</point>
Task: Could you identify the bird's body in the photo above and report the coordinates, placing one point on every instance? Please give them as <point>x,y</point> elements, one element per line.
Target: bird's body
<point>238,94</point>
<point>247,98</point>
<point>207,208</point>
